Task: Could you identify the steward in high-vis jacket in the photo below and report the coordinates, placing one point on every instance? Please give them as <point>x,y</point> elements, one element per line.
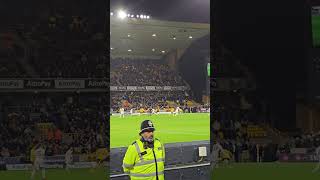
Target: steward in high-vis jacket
<point>144,159</point>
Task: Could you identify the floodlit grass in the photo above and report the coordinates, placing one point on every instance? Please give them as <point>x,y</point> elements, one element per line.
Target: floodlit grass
<point>267,171</point>
<point>169,129</point>
<point>58,174</point>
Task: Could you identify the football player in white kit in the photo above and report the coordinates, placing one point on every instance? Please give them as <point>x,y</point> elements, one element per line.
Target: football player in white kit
<point>216,150</point>
<point>69,158</point>
<point>153,111</point>
<point>318,156</point>
<point>38,163</point>
<point>122,112</point>
<point>176,112</point>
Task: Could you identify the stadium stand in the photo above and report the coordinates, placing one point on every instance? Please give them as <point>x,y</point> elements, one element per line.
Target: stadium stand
<point>59,43</point>
<point>243,125</point>
<point>159,100</point>
<point>303,140</point>
<point>128,72</point>
<point>56,121</point>
<point>144,72</point>
<point>52,59</point>
<point>240,124</point>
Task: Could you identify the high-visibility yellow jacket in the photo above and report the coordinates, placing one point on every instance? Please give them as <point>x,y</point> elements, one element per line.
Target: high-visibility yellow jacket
<point>144,164</point>
<point>226,154</point>
<point>32,155</point>
<point>102,154</point>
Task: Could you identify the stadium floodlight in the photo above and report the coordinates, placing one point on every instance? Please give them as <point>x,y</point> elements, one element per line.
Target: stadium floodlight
<point>141,16</point>
<point>129,50</point>
<point>163,51</point>
<point>148,17</point>
<point>190,37</point>
<point>111,48</point>
<point>122,14</point>
<point>132,15</point>
<point>144,16</point>
<point>111,13</point>
<point>154,35</point>
<point>137,16</point>
<point>128,15</point>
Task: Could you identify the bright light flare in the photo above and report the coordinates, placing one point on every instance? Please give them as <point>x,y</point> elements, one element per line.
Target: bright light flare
<point>122,14</point>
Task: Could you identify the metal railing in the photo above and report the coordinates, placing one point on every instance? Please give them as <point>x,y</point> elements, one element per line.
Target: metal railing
<point>169,169</point>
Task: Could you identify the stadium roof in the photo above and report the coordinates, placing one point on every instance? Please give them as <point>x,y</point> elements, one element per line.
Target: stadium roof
<point>134,37</point>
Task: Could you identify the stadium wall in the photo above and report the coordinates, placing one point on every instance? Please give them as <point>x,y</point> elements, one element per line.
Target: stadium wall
<point>193,65</point>
<point>182,161</point>
<point>173,57</point>
<point>307,117</point>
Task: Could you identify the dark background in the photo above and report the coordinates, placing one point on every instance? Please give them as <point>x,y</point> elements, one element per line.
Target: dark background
<point>272,39</point>
<point>314,55</point>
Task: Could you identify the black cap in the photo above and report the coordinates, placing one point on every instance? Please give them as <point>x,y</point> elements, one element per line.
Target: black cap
<point>146,125</point>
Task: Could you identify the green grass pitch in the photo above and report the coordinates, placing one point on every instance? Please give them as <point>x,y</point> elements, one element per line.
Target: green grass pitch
<point>58,174</point>
<point>169,129</point>
<point>267,171</point>
<point>316,30</point>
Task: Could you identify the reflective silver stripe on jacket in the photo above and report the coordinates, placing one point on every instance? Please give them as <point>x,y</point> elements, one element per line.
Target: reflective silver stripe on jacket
<point>146,175</point>
<point>149,162</point>
<point>124,165</point>
<point>138,150</point>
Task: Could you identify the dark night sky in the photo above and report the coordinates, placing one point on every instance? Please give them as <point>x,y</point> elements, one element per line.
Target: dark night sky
<point>173,10</point>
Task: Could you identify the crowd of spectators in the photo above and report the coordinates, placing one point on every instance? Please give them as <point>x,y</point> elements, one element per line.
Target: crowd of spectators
<point>235,138</point>
<point>242,147</point>
<point>77,121</point>
<point>143,99</point>
<point>59,40</point>
<point>236,115</point>
<point>68,45</point>
<point>244,150</point>
<point>303,140</point>
<point>238,106</point>
<point>226,64</point>
<point>77,66</point>
<point>129,72</point>
<point>11,69</point>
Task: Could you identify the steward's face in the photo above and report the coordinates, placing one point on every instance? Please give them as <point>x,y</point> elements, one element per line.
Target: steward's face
<point>148,135</point>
